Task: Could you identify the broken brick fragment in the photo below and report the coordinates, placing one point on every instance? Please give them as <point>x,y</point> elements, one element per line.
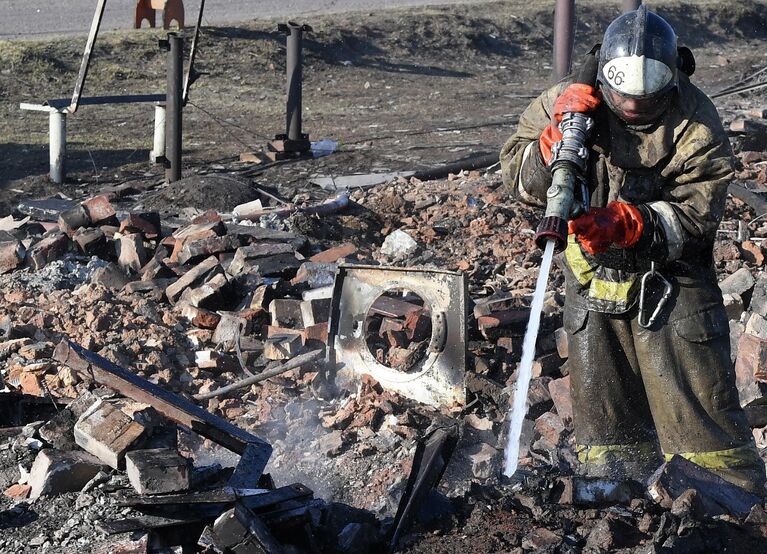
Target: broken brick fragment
<point>12,255</point>
<point>146,223</point>
<point>91,241</point>
<point>194,249</point>
<point>332,255</point>
<point>131,253</point>
<point>560,394</point>
<point>107,433</point>
<point>18,492</point>
<point>99,210</point>
<point>157,471</point>
<point>56,472</point>
<point>73,219</point>
<point>191,277</point>
<point>50,248</point>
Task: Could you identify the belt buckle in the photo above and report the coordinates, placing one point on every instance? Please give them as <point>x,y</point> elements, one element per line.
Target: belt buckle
<point>667,288</point>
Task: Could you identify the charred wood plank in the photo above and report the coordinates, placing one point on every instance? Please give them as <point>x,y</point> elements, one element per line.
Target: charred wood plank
<point>170,405</point>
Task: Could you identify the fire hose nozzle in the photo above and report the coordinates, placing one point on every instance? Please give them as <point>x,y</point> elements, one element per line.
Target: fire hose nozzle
<point>552,228</point>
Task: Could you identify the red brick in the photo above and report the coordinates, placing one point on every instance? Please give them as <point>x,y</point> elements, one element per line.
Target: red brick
<point>194,249</point>
<point>131,253</point>
<point>90,240</point>
<point>318,332</point>
<point>334,254</point>
<point>11,255</point>
<point>560,394</point>
<point>752,253</point>
<point>205,319</point>
<point>47,250</point>
<point>18,492</point>
<point>99,209</point>
<point>147,223</point>
<point>210,216</point>
<point>73,219</point>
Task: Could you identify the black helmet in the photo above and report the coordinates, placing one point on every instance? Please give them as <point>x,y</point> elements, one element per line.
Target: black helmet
<point>638,58</point>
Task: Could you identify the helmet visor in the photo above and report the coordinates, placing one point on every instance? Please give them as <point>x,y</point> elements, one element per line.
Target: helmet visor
<point>636,111</point>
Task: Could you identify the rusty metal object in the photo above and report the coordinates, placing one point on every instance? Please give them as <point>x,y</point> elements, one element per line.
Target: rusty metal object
<point>564,35</point>
<point>431,458</point>
<point>86,62</point>
<point>174,106</point>
<point>294,143</point>
<point>631,5</point>
<point>438,377</point>
<point>254,451</point>
<point>298,361</point>
<point>172,10</point>
<point>328,207</point>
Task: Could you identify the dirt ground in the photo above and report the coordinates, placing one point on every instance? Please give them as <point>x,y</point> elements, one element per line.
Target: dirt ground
<point>400,90</point>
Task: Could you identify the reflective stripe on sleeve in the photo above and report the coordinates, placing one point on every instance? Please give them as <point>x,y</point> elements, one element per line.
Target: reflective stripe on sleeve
<point>675,235</point>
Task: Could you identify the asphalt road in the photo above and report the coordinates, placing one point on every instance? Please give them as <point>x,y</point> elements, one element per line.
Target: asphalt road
<point>37,18</point>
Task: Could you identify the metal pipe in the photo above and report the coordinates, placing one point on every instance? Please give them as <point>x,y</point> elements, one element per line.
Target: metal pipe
<point>564,34</point>
<point>298,361</point>
<point>295,80</point>
<point>158,149</point>
<point>631,5</point>
<point>58,145</point>
<point>174,103</point>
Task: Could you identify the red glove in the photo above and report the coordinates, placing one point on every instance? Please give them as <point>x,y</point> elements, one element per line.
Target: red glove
<point>618,223</point>
<point>575,98</point>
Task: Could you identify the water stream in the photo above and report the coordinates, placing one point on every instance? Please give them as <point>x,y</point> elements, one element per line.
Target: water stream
<point>525,369</point>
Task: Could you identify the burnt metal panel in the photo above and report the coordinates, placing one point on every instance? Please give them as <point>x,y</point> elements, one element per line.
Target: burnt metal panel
<point>438,379</point>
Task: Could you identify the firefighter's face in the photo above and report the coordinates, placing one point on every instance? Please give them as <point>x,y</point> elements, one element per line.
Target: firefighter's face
<point>636,111</point>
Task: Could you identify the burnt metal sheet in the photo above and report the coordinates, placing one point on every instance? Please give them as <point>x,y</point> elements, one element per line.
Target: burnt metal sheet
<point>438,378</point>
<point>431,458</point>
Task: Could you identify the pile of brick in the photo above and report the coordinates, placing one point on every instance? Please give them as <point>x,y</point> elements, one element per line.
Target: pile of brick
<point>399,329</point>
<point>244,298</point>
<point>252,295</point>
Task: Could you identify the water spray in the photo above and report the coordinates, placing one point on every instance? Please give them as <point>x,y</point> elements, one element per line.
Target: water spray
<point>568,168</point>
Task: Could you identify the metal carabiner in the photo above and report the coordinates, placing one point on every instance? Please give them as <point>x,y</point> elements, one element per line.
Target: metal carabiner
<point>667,289</point>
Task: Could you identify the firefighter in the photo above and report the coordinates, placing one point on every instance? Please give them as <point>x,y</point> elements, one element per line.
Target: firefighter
<point>644,388</point>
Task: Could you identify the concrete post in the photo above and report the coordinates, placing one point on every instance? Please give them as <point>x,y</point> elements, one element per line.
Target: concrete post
<point>58,145</point>
<point>158,145</point>
<point>631,5</point>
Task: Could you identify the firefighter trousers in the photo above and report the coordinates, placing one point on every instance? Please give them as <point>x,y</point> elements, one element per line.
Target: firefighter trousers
<point>642,395</point>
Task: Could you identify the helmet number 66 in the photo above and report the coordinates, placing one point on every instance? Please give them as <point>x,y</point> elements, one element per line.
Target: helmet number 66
<point>616,77</point>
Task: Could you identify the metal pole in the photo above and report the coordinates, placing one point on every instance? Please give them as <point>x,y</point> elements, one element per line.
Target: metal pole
<point>80,84</point>
<point>158,150</point>
<point>174,102</point>
<point>564,34</point>
<point>295,80</point>
<point>631,5</point>
<point>58,145</point>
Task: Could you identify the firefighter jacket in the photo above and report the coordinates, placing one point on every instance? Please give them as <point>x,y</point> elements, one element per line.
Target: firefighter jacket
<point>675,170</point>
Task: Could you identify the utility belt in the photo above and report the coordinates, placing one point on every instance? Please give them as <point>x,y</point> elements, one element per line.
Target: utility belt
<point>613,282</point>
